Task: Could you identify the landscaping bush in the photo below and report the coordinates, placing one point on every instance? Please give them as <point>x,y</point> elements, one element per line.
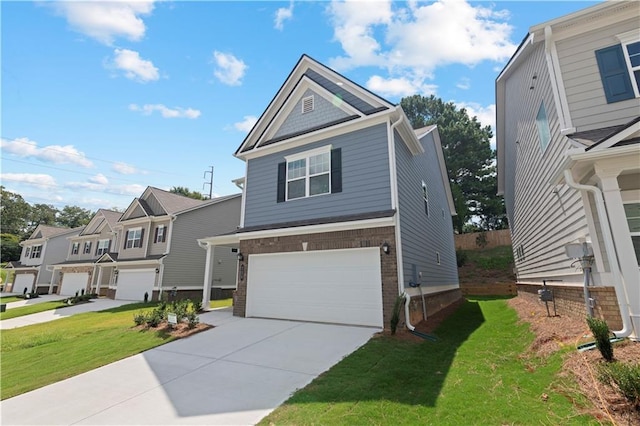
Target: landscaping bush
<point>140,318</point>
<point>154,318</point>
<point>461,258</point>
<point>192,319</point>
<point>601,334</point>
<point>623,377</point>
<point>196,305</point>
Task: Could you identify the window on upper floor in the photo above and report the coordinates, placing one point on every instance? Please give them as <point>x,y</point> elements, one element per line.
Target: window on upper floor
<point>619,67</point>
<point>425,198</point>
<point>86,248</point>
<point>133,238</point>
<point>75,248</point>
<point>103,247</point>
<point>27,252</point>
<point>632,212</point>
<point>36,252</point>
<point>543,127</point>
<point>161,234</point>
<point>311,173</point>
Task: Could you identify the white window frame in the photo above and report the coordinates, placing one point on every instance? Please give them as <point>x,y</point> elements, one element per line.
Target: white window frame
<point>134,238</point>
<point>542,123</point>
<point>631,233</point>
<point>27,252</point>
<point>102,248</point>
<point>75,248</point>
<point>626,39</point>
<point>162,229</point>
<point>325,150</point>
<point>35,254</point>
<point>86,249</point>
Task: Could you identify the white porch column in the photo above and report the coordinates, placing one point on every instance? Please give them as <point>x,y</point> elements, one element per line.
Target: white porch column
<point>622,241</point>
<point>208,276</point>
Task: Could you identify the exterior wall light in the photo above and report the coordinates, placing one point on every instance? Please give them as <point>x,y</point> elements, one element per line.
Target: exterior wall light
<point>240,257</point>
<point>386,248</point>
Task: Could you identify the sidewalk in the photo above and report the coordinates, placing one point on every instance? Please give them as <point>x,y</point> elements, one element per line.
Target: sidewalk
<point>43,298</point>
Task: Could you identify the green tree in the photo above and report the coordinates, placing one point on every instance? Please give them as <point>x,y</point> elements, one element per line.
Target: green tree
<point>183,190</point>
<point>74,216</point>
<point>41,214</point>
<point>10,247</point>
<point>14,213</point>
<point>468,155</point>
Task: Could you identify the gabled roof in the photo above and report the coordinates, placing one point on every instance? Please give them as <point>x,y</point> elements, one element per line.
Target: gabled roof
<point>46,231</point>
<point>169,202</point>
<point>355,101</point>
<point>607,137</point>
<point>102,218</point>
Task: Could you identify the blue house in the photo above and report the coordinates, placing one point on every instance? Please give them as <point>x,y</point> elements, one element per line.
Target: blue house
<point>344,208</point>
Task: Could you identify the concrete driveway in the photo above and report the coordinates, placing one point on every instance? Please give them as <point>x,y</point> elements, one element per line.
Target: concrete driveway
<point>234,374</point>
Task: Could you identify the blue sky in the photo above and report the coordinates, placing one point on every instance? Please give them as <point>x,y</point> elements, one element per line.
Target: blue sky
<point>100,100</point>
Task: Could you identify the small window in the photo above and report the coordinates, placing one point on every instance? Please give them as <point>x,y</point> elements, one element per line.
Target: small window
<point>87,248</point>
<point>425,198</point>
<point>543,127</point>
<point>438,257</point>
<point>27,252</point>
<point>307,104</point>
<point>161,234</point>
<point>134,238</point>
<point>103,247</point>
<point>309,176</point>
<point>75,248</point>
<point>632,212</point>
<point>36,252</point>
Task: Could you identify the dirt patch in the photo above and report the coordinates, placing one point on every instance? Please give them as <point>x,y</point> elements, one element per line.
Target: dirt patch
<point>177,331</point>
<point>425,326</point>
<point>555,333</point>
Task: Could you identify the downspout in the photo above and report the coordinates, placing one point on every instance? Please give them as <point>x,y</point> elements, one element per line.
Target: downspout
<point>401,292</point>
<point>621,294</point>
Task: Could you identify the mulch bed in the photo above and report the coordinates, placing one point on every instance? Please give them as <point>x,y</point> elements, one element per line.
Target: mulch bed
<point>177,331</point>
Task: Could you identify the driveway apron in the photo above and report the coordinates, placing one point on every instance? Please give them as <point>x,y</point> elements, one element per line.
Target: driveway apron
<point>233,374</point>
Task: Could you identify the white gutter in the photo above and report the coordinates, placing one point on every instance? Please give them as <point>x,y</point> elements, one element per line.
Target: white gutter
<point>621,293</point>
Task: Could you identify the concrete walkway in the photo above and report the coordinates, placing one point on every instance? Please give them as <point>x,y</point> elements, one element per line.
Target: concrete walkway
<point>26,302</point>
<point>234,374</point>
<point>54,314</point>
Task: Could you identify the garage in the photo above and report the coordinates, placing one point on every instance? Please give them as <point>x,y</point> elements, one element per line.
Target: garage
<point>133,284</point>
<point>73,282</point>
<point>334,286</point>
<point>23,281</point>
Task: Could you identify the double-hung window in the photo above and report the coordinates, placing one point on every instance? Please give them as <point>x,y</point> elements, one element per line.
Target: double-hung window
<point>87,247</point>
<point>308,173</point>
<point>27,252</point>
<point>75,248</point>
<point>134,238</point>
<point>161,234</point>
<point>103,247</point>
<point>36,252</point>
<point>632,212</point>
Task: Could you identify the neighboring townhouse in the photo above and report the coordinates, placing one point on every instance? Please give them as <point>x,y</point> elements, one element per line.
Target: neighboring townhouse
<point>79,274</point>
<point>568,144</point>
<point>45,246</point>
<point>345,207</point>
<point>155,248</point>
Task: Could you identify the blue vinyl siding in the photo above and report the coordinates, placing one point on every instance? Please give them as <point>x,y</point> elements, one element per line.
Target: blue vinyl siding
<point>424,236</point>
<point>365,181</point>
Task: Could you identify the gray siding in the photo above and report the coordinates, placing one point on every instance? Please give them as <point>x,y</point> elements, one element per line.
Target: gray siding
<point>54,251</point>
<point>541,220</point>
<point>158,248</point>
<point>365,181</point>
<point>423,236</point>
<point>184,265</point>
<point>585,94</point>
<point>323,112</point>
<point>154,204</point>
<point>138,252</point>
<point>224,268</point>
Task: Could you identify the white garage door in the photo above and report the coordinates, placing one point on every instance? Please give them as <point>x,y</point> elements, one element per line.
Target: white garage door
<point>132,285</point>
<point>336,286</point>
<point>74,282</point>
<point>23,281</point>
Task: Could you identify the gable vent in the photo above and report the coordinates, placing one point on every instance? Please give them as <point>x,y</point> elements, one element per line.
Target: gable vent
<point>307,104</point>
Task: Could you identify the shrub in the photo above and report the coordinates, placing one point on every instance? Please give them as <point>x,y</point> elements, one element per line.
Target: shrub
<point>154,319</point>
<point>461,258</point>
<point>395,316</point>
<point>140,318</point>
<point>192,319</point>
<point>624,377</point>
<point>196,305</point>
<point>601,334</point>
<point>481,240</point>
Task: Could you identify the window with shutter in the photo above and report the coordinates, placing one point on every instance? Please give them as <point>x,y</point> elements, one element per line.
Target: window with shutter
<point>614,73</point>
<point>311,173</point>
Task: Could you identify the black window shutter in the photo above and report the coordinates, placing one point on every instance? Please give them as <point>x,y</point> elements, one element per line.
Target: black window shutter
<point>614,74</point>
<point>141,236</point>
<point>109,246</point>
<point>97,247</point>
<point>89,248</point>
<point>126,237</point>
<point>336,170</point>
<point>282,181</point>
<point>155,237</point>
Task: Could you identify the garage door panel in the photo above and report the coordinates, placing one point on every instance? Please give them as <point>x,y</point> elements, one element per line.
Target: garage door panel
<point>132,285</point>
<point>23,281</point>
<point>339,286</point>
<point>73,282</point>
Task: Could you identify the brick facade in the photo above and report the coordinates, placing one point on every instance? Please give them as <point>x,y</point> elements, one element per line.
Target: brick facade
<point>356,238</point>
<point>434,302</point>
<point>570,301</point>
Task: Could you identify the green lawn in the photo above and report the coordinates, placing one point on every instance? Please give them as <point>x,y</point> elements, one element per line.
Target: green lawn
<point>478,372</point>
<point>37,355</point>
<point>10,299</point>
<point>31,309</point>
<point>222,303</point>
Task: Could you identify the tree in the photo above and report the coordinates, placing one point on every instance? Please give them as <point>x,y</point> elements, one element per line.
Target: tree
<point>10,247</point>
<point>14,212</point>
<point>41,214</point>
<point>468,155</point>
<point>74,216</point>
<point>183,190</point>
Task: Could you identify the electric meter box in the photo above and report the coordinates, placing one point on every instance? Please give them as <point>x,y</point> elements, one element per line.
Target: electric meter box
<point>578,250</point>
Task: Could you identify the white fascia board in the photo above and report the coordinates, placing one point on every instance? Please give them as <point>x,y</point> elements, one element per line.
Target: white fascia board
<point>134,203</point>
<point>443,169</point>
<point>151,262</point>
<point>219,240</point>
<point>139,221</point>
<point>575,156</point>
<point>587,24</point>
<point>73,265</point>
<point>431,289</point>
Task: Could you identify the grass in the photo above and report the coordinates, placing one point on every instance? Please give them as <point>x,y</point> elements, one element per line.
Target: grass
<point>41,354</point>
<point>496,258</point>
<point>478,372</point>
<point>31,309</point>
<point>222,303</point>
<point>10,299</point>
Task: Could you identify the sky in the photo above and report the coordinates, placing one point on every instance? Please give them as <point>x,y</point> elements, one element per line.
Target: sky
<point>100,100</point>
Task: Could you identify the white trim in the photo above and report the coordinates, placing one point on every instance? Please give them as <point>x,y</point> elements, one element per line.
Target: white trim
<point>426,290</point>
<point>557,82</point>
<point>243,200</point>
<point>630,68</point>
<point>393,173</point>
<point>310,153</point>
<point>121,264</point>
<point>443,169</point>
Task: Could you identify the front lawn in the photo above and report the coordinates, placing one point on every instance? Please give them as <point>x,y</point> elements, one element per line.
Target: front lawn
<point>9,299</point>
<point>478,372</point>
<point>31,309</point>
<point>41,354</point>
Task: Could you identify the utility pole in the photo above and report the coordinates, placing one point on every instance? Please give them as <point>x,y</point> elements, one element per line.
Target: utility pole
<point>210,183</point>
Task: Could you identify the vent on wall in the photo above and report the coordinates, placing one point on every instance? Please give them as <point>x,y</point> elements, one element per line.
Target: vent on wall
<point>307,104</point>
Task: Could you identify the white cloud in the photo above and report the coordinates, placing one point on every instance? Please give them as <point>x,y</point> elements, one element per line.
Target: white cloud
<point>166,112</point>
<point>411,40</point>
<point>25,148</point>
<point>247,124</point>
<point>486,115</point>
<point>99,179</point>
<point>45,182</point>
<point>104,187</point>
<point>104,21</point>
<point>464,83</point>
<point>131,189</point>
<point>283,14</point>
<point>124,169</point>
<point>399,87</point>
<point>229,69</point>
<point>134,67</point>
